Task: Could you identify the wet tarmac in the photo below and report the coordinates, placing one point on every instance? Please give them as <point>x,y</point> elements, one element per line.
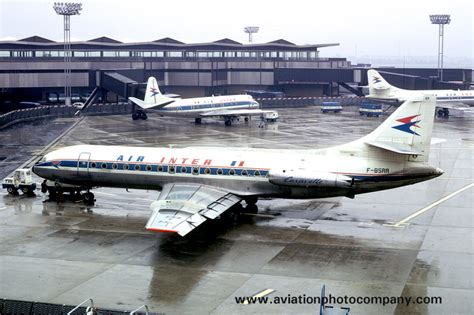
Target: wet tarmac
<point>67,252</point>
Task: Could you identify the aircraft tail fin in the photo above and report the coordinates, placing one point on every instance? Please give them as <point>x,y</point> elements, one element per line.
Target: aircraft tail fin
<point>153,97</point>
<point>408,130</point>
<point>378,87</point>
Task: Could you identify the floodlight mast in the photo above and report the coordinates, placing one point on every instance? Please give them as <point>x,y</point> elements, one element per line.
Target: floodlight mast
<point>251,30</point>
<point>441,20</point>
<point>66,10</point>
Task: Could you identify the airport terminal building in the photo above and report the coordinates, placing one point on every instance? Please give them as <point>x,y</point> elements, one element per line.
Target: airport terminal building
<point>33,69</point>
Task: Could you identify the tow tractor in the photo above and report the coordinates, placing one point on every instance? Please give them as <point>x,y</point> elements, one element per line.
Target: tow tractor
<point>21,180</point>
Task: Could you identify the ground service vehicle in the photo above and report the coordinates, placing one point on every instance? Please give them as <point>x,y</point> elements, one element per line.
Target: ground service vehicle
<point>21,180</point>
<point>370,109</point>
<point>331,107</point>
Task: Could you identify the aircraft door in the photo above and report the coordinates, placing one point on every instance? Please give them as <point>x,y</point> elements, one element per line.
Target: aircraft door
<point>83,164</point>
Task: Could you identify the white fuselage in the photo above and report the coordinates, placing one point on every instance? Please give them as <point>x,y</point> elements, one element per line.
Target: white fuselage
<point>242,171</point>
<point>196,107</point>
<point>442,96</point>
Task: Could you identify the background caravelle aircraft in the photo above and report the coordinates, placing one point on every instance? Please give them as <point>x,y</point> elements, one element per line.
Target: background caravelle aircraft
<point>228,107</point>
<point>446,99</point>
<point>200,183</point>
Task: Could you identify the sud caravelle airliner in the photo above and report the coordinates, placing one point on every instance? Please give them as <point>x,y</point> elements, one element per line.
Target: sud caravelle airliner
<point>200,183</point>
<point>380,89</point>
<point>228,107</point>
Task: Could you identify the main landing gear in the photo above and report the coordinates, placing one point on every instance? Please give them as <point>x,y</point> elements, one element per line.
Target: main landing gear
<point>139,114</point>
<point>89,198</point>
<point>443,112</point>
<point>62,192</point>
<point>251,207</point>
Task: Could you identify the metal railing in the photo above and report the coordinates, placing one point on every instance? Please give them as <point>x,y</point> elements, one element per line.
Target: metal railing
<point>54,111</point>
<point>143,306</point>
<point>79,305</point>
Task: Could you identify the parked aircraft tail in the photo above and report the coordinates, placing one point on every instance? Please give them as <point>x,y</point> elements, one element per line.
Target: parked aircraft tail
<point>153,97</point>
<point>408,130</point>
<point>378,87</point>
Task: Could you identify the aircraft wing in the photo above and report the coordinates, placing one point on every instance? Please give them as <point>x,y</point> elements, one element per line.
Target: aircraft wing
<point>144,105</point>
<point>235,112</point>
<point>182,207</point>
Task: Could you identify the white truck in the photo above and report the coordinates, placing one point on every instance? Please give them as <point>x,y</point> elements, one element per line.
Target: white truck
<point>271,116</point>
<point>21,180</point>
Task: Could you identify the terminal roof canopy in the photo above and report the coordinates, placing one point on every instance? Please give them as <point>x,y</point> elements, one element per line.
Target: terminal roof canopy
<point>105,39</point>
<point>163,44</point>
<point>36,39</point>
<point>227,41</point>
<point>168,40</point>
<point>281,41</point>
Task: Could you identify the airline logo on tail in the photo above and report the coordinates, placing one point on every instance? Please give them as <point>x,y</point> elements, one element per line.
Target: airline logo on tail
<point>407,123</point>
<point>376,80</point>
<point>153,91</point>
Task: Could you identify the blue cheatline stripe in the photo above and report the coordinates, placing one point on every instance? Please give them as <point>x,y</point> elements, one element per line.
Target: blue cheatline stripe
<point>207,106</point>
<point>370,178</point>
<point>455,98</point>
<point>161,168</point>
<point>165,168</point>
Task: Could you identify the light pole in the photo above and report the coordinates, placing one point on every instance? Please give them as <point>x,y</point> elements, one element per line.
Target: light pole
<point>251,30</point>
<point>441,20</point>
<point>66,10</point>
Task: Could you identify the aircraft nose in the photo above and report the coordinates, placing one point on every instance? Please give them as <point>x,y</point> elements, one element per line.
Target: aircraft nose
<point>439,171</point>
<point>35,169</point>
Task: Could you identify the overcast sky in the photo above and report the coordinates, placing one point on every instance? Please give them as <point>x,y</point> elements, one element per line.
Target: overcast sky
<point>363,28</point>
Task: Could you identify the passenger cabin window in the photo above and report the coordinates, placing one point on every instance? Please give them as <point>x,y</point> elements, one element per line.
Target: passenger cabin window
<point>171,169</point>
